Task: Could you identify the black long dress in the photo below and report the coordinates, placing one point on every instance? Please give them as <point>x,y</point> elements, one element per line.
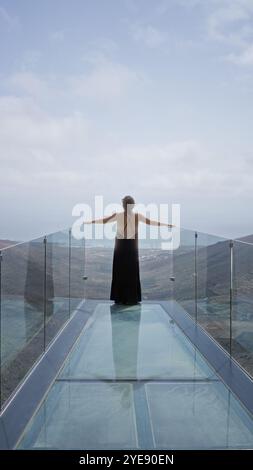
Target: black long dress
<point>126,286</point>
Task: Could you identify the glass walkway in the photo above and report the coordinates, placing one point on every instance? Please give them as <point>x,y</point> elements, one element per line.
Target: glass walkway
<point>133,380</point>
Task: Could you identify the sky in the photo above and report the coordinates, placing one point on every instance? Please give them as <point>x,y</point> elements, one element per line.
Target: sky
<point>152,98</point>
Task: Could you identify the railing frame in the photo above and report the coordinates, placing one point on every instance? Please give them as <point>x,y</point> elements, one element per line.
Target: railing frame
<point>1,258</point>
<point>231,292</point>
<point>44,267</point>
<point>70,253</point>
<point>196,275</point>
<point>45,293</point>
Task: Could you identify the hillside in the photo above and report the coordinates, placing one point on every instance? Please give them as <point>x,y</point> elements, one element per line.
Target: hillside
<point>6,243</point>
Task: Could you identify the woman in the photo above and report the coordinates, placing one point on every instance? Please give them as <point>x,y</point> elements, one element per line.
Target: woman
<point>126,287</point>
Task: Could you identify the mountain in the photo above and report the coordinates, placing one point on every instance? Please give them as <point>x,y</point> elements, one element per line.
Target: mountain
<point>6,243</point>
<point>248,239</point>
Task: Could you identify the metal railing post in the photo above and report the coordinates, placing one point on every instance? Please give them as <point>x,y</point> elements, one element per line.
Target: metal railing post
<point>70,236</point>
<point>1,257</point>
<point>84,267</point>
<point>45,292</point>
<point>231,246</point>
<point>196,277</point>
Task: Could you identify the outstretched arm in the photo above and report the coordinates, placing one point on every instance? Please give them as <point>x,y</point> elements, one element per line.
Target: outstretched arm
<point>104,220</point>
<point>147,221</point>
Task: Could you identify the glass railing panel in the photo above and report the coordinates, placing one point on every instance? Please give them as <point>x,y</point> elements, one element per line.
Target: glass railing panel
<point>184,272</point>
<point>77,272</point>
<point>213,286</point>
<point>57,283</point>
<point>156,268</point>
<point>242,312</point>
<point>98,268</point>
<point>22,312</point>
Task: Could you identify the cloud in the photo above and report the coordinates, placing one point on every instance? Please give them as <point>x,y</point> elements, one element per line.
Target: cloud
<point>244,58</point>
<point>226,24</point>
<point>10,21</point>
<point>33,141</point>
<point>102,80</point>
<point>149,35</point>
<point>53,162</point>
<point>29,83</point>
<point>105,81</point>
<point>53,157</point>
<point>231,24</point>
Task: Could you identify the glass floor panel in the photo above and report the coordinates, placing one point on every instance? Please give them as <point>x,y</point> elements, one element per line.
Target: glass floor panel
<point>135,342</point>
<point>81,415</point>
<point>197,416</point>
<point>134,381</point>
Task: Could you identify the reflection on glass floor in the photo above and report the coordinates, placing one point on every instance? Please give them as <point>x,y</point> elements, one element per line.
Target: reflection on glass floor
<point>137,342</point>
<point>133,380</point>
